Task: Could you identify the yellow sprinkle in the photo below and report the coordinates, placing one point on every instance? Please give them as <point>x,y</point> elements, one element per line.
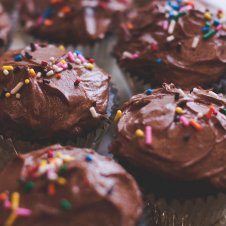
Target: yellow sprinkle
<point>15,200</point>
<point>139,133</point>
<point>61,181</point>
<point>7,95</point>
<point>59,155</point>
<point>27,81</point>
<point>63,61</point>
<point>11,219</point>
<point>118,116</point>
<point>89,66</point>
<point>61,47</point>
<point>8,68</point>
<point>43,163</point>
<point>179,110</point>
<point>207,16</point>
<point>32,72</point>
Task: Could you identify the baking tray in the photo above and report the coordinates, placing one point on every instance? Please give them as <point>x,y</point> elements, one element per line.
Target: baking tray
<point>158,211</point>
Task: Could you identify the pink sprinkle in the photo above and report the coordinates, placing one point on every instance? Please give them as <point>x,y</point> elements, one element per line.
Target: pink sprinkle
<point>39,21</point>
<point>82,58</point>
<point>71,57</point>
<point>165,25</point>
<point>135,56</point>
<point>219,27</point>
<point>64,66</point>
<point>7,204</point>
<point>186,8</point>
<point>184,121</point>
<point>22,212</point>
<point>148,135</point>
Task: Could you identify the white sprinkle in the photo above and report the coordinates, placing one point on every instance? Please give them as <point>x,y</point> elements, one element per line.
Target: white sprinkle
<point>195,42</point>
<point>78,61</point>
<point>211,93</point>
<point>170,38</point>
<point>50,73</point>
<point>17,88</point>
<point>126,55</point>
<point>195,90</point>
<point>57,69</point>
<point>52,59</point>
<point>181,92</point>
<point>18,96</point>
<point>5,72</point>
<point>172,26</point>
<point>60,15</point>
<point>39,74</point>
<point>93,112</point>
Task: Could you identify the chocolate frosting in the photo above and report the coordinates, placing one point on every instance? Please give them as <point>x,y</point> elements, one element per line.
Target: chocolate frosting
<point>89,190</point>
<point>5,28</point>
<point>71,21</point>
<point>188,137</point>
<point>65,96</point>
<point>146,52</point>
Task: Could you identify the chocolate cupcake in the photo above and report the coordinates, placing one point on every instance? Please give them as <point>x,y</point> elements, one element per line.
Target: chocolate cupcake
<point>73,22</point>
<point>5,29</point>
<point>68,186</point>
<point>176,134</point>
<point>49,94</point>
<point>169,41</point>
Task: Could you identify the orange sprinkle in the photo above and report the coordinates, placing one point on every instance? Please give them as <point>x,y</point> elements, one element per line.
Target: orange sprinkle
<point>55,1</point>
<point>58,76</point>
<point>3,196</point>
<point>51,189</point>
<point>65,10</point>
<point>195,124</point>
<point>129,25</point>
<point>48,22</point>
<point>210,112</point>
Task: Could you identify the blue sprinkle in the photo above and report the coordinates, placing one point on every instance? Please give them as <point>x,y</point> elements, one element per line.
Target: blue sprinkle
<point>89,158</point>
<point>48,12</point>
<point>205,29</point>
<point>149,91</point>
<point>216,23</point>
<point>78,52</point>
<point>159,61</point>
<point>175,7</point>
<point>18,58</point>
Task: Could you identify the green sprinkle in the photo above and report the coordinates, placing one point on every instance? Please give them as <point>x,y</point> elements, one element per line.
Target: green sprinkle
<point>209,34</point>
<point>207,23</point>
<point>65,204</point>
<point>28,186</point>
<point>223,111</point>
<point>180,15</point>
<point>62,170</point>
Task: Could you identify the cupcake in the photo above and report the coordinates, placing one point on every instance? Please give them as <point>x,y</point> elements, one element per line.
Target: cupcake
<point>5,29</point>
<point>173,41</point>
<point>50,94</point>
<point>175,134</point>
<point>67,186</point>
<point>74,22</point>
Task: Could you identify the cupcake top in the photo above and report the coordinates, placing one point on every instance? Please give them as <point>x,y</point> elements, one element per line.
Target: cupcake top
<point>178,134</point>
<point>71,21</point>
<point>47,92</point>
<point>5,28</point>
<point>174,41</point>
<point>67,186</point>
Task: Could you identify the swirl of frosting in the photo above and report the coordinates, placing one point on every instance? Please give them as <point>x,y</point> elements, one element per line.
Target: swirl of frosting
<point>169,42</point>
<point>67,186</point>
<point>47,92</point>
<point>71,21</point>
<point>177,134</point>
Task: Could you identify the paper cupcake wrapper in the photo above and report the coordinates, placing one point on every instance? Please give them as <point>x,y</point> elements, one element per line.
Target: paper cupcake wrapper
<point>207,211</point>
